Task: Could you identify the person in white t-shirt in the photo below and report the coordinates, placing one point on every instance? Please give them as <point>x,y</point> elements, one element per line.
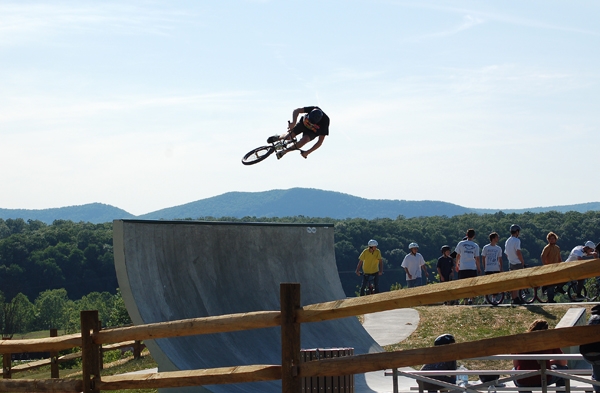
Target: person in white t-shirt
<point>587,251</point>
<point>512,249</point>
<point>467,258</point>
<point>491,255</point>
<point>412,264</point>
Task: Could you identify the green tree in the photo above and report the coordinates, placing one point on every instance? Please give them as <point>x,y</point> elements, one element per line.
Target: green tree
<point>52,308</point>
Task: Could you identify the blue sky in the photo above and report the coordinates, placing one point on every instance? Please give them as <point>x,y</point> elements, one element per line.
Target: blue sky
<point>147,105</point>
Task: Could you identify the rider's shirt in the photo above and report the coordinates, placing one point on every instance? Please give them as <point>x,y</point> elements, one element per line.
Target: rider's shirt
<point>492,256</point>
<point>468,250</point>
<point>323,124</point>
<point>510,249</point>
<point>551,254</point>
<point>576,252</point>
<point>413,263</point>
<point>370,261</point>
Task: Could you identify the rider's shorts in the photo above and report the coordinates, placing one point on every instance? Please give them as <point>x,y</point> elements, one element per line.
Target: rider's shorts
<point>301,129</point>
<point>467,273</point>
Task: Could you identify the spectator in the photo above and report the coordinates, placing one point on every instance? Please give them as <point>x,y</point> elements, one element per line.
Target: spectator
<point>445,266</point>
<point>512,249</point>
<point>591,352</point>
<point>587,251</point>
<point>536,380</point>
<point>444,339</point>
<point>467,258</point>
<point>551,255</point>
<point>491,255</point>
<point>412,264</point>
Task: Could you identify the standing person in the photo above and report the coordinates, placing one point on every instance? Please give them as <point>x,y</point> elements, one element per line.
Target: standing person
<point>412,264</point>
<point>578,253</point>
<point>550,256</point>
<point>491,255</point>
<point>314,124</point>
<point>467,258</point>
<point>512,249</point>
<point>445,266</point>
<point>372,265</point>
<point>444,339</point>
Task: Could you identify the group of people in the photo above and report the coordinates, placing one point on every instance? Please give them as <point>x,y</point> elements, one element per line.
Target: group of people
<point>465,260</point>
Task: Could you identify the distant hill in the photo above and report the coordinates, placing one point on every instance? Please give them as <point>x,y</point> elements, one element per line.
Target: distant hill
<point>278,203</point>
<point>93,212</point>
<point>306,202</point>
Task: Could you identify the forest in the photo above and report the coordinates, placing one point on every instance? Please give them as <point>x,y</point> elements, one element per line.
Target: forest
<point>73,261</point>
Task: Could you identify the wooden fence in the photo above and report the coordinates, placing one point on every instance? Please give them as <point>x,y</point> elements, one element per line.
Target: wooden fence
<point>290,318</point>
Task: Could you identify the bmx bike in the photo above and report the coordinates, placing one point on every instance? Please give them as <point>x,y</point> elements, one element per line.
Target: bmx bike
<point>591,290</point>
<point>370,287</point>
<point>261,153</point>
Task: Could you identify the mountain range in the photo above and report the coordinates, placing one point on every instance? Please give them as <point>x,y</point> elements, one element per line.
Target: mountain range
<point>307,202</point>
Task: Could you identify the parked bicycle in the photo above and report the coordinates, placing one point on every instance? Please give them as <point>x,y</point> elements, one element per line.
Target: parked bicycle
<point>590,292</point>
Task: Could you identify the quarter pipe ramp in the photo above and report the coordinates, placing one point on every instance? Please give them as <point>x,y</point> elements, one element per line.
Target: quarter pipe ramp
<point>171,270</point>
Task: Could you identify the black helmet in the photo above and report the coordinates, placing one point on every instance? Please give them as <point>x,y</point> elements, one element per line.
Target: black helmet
<point>315,116</point>
<point>444,339</point>
<point>514,228</point>
<point>445,248</point>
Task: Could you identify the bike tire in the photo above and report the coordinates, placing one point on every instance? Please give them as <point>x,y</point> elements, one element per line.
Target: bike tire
<point>527,295</point>
<point>593,290</point>
<point>572,292</point>
<point>541,295</point>
<point>495,298</point>
<point>257,155</point>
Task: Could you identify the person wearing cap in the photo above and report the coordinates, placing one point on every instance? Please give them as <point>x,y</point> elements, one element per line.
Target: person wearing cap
<point>412,264</point>
<point>444,339</point>
<point>587,251</point>
<point>591,351</point>
<point>550,256</point>
<point>512,249</point>
<point>372,265</point>
<point>314,124</point>
<point>491,255</point>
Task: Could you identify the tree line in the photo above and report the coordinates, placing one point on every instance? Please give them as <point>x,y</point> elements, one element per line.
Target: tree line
<point>78,257</point>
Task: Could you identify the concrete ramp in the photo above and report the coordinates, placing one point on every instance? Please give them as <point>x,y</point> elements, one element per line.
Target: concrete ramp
<point>170,270</point>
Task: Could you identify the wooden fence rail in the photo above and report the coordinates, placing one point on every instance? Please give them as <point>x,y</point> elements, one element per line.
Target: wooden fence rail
<point>290,318</point>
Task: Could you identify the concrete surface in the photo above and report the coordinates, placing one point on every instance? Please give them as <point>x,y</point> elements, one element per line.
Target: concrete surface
<point>391,327</point>
<point>170,270</point>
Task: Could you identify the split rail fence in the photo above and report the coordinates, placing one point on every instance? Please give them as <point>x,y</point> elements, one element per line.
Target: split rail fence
<point>290,317</point>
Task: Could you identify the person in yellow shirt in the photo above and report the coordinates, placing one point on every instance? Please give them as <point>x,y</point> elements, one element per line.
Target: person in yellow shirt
<point>372,266</point>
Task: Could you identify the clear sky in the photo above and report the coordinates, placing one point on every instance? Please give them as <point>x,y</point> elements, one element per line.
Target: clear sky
<point>147,105</point>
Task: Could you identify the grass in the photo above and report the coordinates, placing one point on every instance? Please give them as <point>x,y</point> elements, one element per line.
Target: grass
<point>475,323</point>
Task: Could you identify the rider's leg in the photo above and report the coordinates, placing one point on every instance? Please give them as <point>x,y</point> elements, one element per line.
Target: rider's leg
<point>376,282</point>
<point>580,287</point>
<point>365,281</point>
<point>305,139</point>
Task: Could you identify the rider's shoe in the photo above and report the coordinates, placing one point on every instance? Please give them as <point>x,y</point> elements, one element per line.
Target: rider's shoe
<point>280,154</point>
<point>560,290</point>
<point>272,139</point>
<point>580,297</point>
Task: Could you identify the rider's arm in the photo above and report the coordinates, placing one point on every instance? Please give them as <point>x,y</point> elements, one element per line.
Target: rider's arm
<point>500,262</point>
<point>477,264</point>
<point>295,115</point>
<point>358,267</point>
<point>380,267</point>
<point>483,262</point>
<point>407,273</point>
<point>315,146</point>
<point>520,257</point>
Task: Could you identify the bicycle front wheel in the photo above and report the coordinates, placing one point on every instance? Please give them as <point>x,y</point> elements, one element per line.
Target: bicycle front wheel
<point>495,298</point>
<point>257,155</point>
<point>527,295</point>
<point>573,292</point>
<point>593,289</point>
<point>541,294</point>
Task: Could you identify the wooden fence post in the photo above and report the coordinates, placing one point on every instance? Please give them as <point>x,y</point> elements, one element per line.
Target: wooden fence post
<point>6,363</point>
<point>137,353</point>
<point>54,357</point>
<point>90,351</point>
<point>290,338</point>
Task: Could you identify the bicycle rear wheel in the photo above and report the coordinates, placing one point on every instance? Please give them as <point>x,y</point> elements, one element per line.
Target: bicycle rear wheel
<point>541,294</point>
<point>495,298</point>
<point>257,155</point>
<point>593,289</point>
<point>527,295</point>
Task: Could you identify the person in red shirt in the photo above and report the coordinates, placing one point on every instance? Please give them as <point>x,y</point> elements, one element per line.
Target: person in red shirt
<point>536,380</point>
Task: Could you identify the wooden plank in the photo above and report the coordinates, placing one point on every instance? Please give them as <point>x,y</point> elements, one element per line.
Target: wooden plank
<point>48,344</point>
<point>54,373</point>
<point>191,377</point>
<point>519,343</point>
<point>290,338</point>
<point>451,290</point>
<point>41,385</point>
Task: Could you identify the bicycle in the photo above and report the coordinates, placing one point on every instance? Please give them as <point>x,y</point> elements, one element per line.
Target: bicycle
<point>370,288</point>
<point>528,295</point>
<point>260,153</point>
<point>591,290</point>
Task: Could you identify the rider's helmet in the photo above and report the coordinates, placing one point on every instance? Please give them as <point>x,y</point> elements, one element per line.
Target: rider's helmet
<point>514,228</point>
<point>444,339</point>
<point>590,244</point>
<point>315,116</point>
<point>445,248</point>
<point>413,245</point>
<point>372,243</point>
